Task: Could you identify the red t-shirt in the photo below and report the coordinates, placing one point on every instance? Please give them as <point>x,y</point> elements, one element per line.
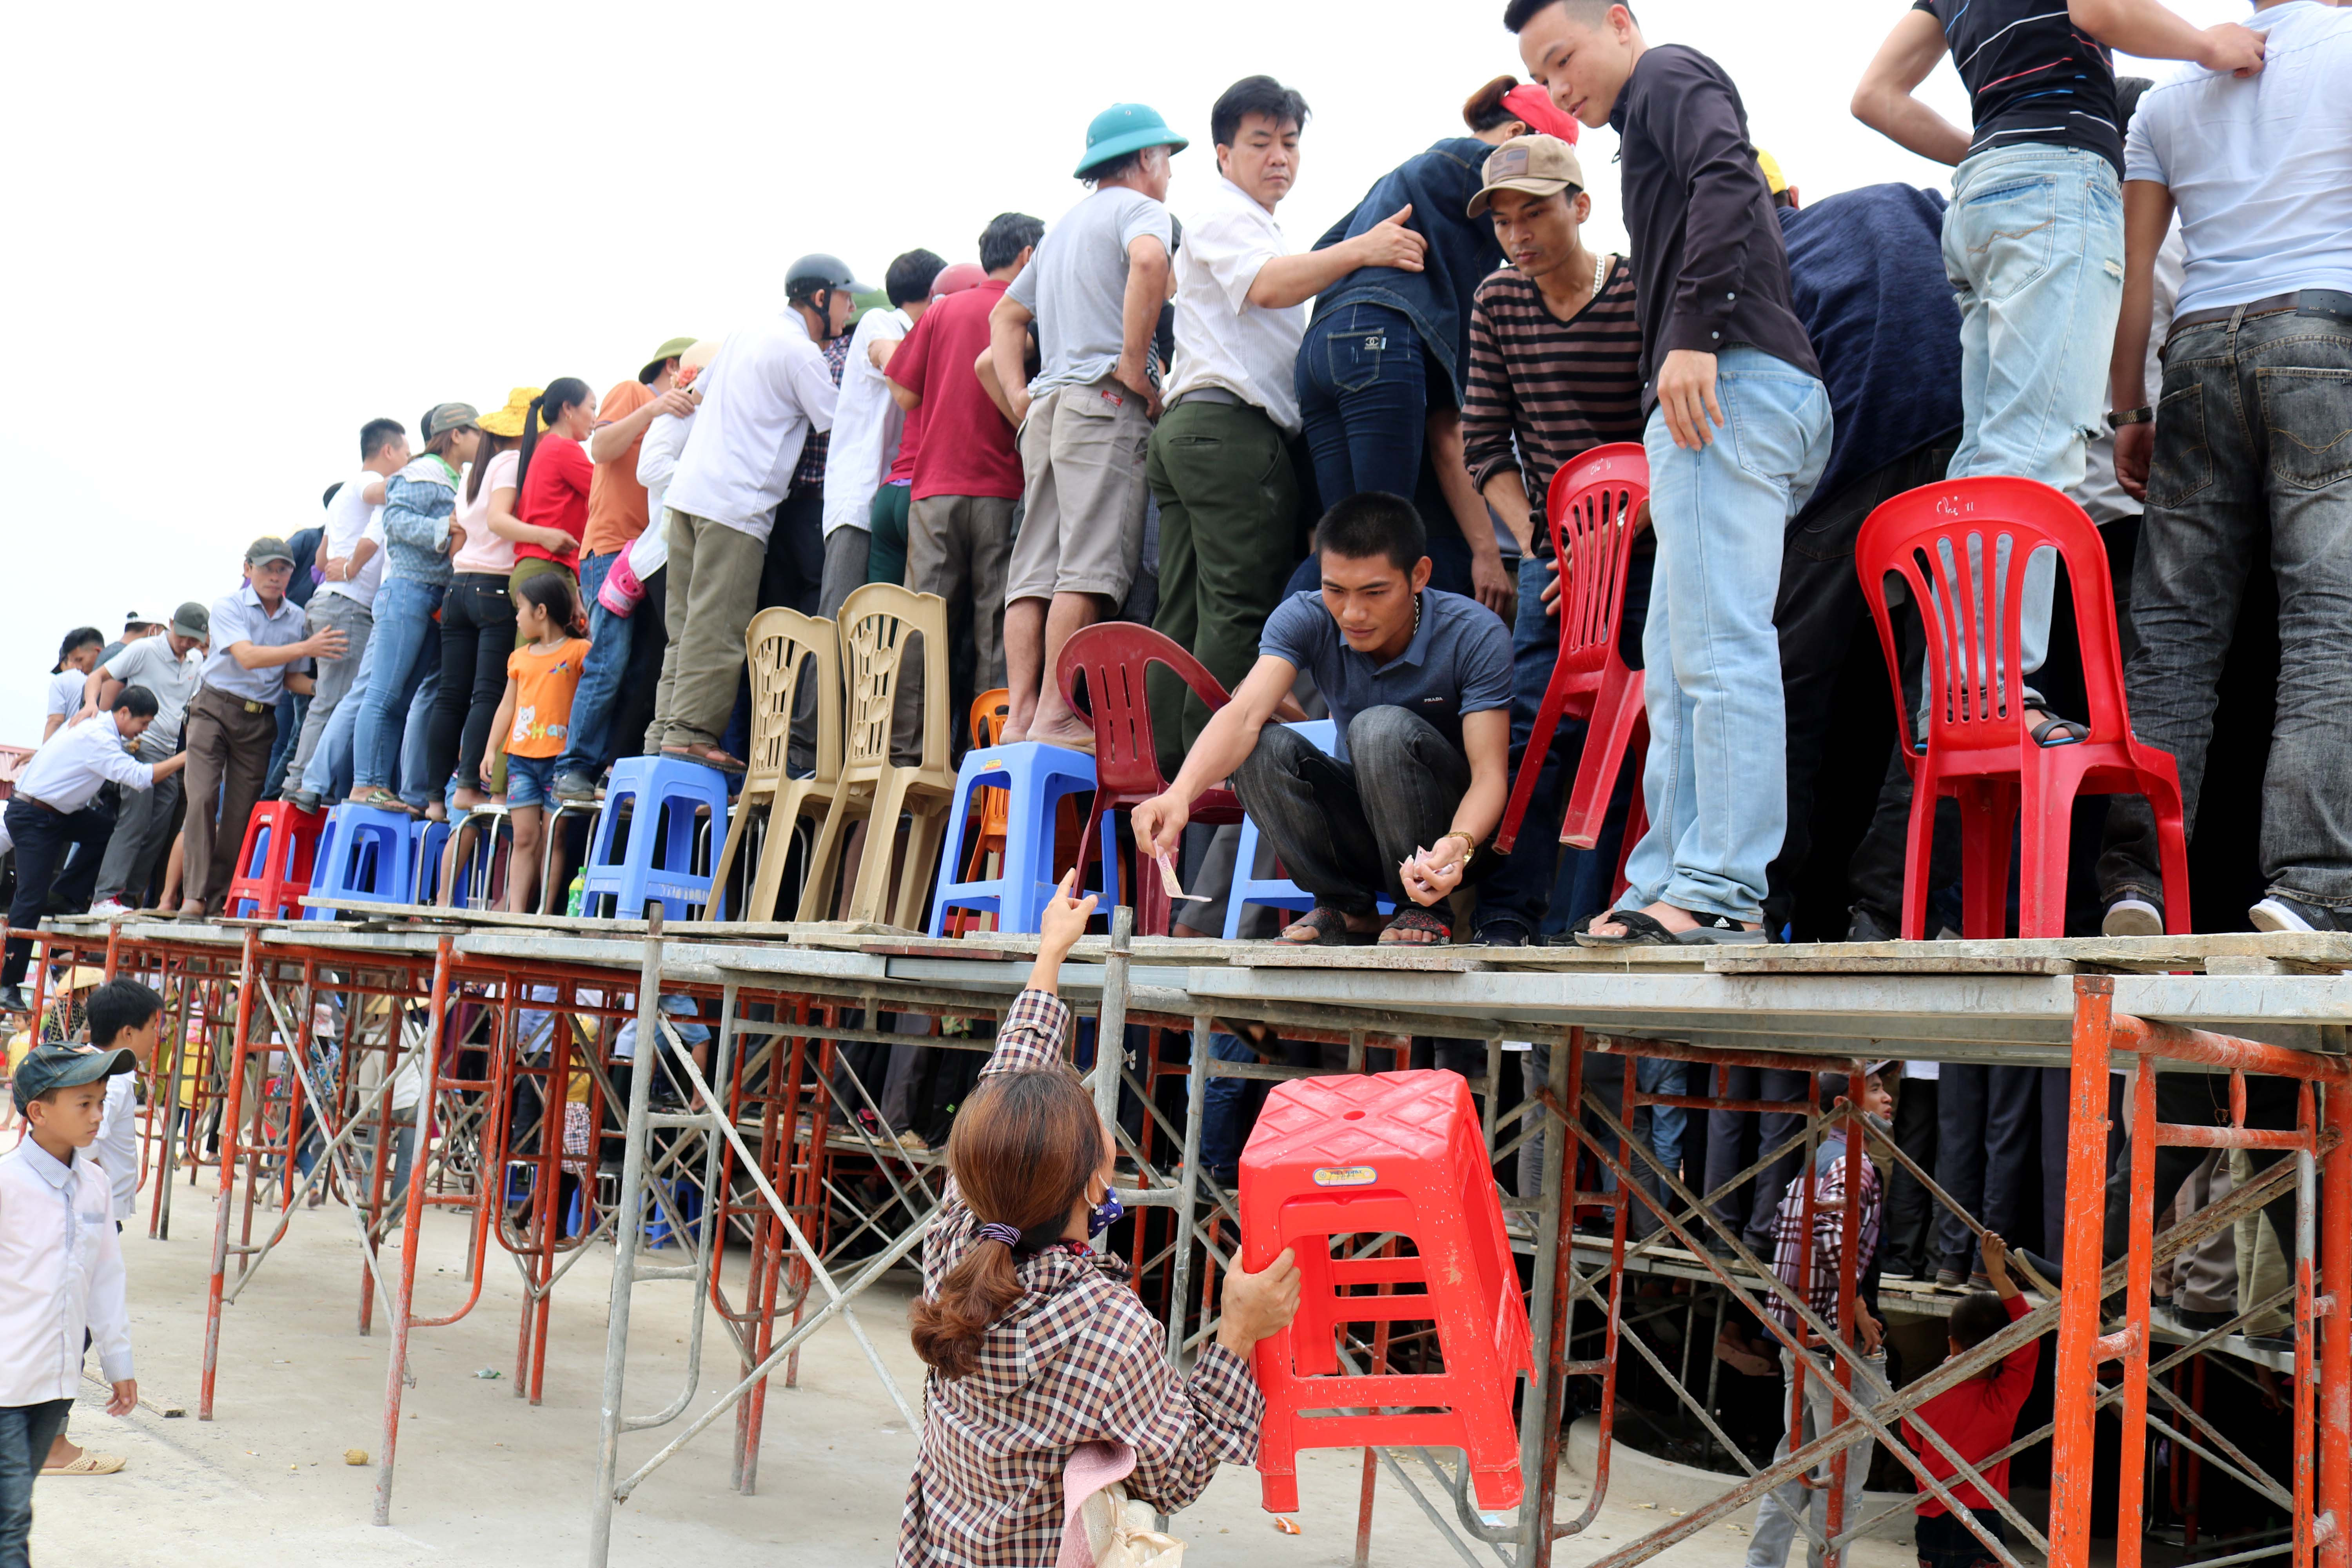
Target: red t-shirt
<point>555,495</point>
<point>911,438</point>
<point>968,448</point>
<point>1977,1418</point>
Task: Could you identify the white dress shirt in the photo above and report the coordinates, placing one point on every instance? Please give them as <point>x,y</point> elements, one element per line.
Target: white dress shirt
<point>1223,340</point>
<point>867,423</point>
<point>349,519</point>
<point>768,387</point>
<point>74,762</point>
<point>117,1149</point>
<point>60,1273</point>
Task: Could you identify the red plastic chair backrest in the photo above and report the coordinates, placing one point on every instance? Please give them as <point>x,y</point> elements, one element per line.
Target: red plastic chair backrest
<point>1598,507</point>
<point>1113,656</point>
<point>1961,546</point>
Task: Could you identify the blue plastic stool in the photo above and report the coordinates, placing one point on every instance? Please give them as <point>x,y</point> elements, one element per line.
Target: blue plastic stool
<point>685,1196</point>
<point>365,857</point>
<point>1276,892</point>
<point>661,795</point>
<point>1037,776</point>
<point>426,839</point>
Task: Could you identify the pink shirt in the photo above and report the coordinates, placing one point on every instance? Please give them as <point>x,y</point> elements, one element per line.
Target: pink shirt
<point>485,550</point>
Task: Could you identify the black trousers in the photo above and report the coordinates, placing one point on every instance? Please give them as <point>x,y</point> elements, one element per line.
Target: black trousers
<point>1994,1125</point>
<point>1734,1140</point>
<point>57,857</point>
<point>477,633</point>
<point>1819,614</point>
<point>1910,1212</point>
<point>2202,1099</point>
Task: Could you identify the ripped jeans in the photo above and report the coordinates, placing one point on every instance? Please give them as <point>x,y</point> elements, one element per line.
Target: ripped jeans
<point>2034,246</point>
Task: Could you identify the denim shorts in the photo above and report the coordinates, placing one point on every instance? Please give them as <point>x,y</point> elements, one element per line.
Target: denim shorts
<point>531,781</point>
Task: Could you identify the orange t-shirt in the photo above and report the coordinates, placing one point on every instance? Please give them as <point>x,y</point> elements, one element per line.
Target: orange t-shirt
<point>616,502</point>
<point>544,682</point>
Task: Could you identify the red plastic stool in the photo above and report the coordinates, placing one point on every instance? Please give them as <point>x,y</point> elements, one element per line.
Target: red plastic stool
<point>1392,1153</point>
<point>275,863</point>
<point>1962,547</point>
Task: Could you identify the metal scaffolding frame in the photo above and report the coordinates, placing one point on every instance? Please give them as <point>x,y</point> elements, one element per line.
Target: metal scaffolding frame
<point>751,1131</point>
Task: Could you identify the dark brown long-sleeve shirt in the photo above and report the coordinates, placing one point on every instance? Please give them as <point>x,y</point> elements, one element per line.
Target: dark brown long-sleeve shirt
<point>1711,271</point>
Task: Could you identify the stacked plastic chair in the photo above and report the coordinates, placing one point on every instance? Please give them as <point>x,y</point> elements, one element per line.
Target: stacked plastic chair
<point>365,855</point>
<point>1391,1154</point>
<point>275,863</point>
<point>788,654</point>
<point>1961,548</point>
<point>658,811</point>
<point>876,622</point>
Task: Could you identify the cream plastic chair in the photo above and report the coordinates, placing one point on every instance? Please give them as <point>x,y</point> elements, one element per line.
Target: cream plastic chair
<point>875,622</point>
<point>787,652</point>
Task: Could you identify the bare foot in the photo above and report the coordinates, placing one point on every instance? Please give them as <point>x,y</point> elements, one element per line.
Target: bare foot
<point>61,1453</point>
<point>468,799</point>
<point>1078,736</point>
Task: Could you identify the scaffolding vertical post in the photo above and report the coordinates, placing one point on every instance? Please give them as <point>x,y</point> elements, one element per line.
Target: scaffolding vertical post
<point>2306,1241</point>
<point>2335,1479</point>
<point>1539,1438</point>
<point>1110,1022</point>
<point>1188,1191</point>
<point>428,1099</point>
<point>2078,1313</point>
<point>1849,1281</point>
<point>224,1200</point>
<point>628,1226</point>
<point>2141,1231</point>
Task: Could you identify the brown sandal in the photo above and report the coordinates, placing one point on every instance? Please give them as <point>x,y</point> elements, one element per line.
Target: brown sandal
<point>707,756</point>
<point>1417,928</point>
<point>1324,926</point>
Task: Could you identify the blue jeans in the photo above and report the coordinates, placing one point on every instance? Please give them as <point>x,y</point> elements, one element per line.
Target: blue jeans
<point>1520,890</point>
<point>2033,245</point>
<point>1782,1512</point>
<point>1364,394</point>
<point>328,774</point>
<point>1716,782</point>
<point>26,1433</point>
<point>610,637</point>
<point>415,783</point>
<point>403,632</point>
<point>1221,1114</point>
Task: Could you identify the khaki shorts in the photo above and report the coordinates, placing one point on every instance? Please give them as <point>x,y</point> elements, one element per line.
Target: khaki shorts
<point>1082,451</point>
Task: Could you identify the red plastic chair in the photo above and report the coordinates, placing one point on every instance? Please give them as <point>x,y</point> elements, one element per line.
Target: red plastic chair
<point>1962,547</point>
<point>1598,507</point>
<point>1112,657</point>
<point>274,862</point>
<point>1357,1157</point>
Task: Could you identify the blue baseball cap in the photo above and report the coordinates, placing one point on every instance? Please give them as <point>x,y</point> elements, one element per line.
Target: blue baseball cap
<point>66,1067</point>
<point>1125,128</point>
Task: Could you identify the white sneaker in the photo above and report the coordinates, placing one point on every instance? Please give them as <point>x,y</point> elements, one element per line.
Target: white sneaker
<point>111,907</point>
<point>2132,917</point>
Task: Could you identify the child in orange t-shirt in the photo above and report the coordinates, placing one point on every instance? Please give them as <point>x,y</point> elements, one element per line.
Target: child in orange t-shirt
<point>535,720</point>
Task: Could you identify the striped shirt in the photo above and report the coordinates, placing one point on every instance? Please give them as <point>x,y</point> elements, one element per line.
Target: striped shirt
<point>811,472</point>
<point>1077,1359</point>
<point>1543,391</point>
<point>2031,75</point>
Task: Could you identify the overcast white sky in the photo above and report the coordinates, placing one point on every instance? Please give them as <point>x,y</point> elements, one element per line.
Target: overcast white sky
<point>244,230</point>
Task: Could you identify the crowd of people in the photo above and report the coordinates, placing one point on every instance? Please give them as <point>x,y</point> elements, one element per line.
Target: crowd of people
<point>1325,472</point>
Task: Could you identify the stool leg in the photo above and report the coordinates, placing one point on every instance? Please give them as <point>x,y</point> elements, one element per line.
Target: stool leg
<point>958,813</point>
<point>824,859</point>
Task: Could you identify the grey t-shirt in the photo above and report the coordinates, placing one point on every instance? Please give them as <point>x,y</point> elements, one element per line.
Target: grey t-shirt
<point>1077,285</point>
<point>1459,661</point>
<point>149,663</point>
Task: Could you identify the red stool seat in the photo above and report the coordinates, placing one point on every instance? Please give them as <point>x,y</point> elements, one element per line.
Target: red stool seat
<point>274,865</point>
<point>1359,1157</point>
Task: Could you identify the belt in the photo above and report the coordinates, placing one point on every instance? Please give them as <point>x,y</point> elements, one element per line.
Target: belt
<point>1209,394</point>
<point>247,703</point>
<point>2304,302</point>
<point>44,805</point>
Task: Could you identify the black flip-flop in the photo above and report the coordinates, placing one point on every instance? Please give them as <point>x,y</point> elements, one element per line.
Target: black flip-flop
<point>1720,931</point>
<point>2042,734</point>
<point>1640,930</point>
<point>1330,926</point>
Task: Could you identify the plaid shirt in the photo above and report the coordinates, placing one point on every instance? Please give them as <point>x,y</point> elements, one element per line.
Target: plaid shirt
<point>1077,1359</point>
<point>1829,1233</point>
<point>819,442</point>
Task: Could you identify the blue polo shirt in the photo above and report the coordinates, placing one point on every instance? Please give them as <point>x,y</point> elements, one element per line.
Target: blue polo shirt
<point>1458,662</point>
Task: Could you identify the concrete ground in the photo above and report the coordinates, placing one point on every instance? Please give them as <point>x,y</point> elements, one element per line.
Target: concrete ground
<point>485,1477</point>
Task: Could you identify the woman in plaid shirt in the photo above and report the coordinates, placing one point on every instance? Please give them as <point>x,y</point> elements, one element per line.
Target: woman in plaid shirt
<point>1036,1343</point>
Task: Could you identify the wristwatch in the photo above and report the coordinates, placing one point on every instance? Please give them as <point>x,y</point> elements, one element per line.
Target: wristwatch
<point>2142,414</point>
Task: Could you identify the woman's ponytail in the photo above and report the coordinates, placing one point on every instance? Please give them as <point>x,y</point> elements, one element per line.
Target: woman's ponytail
<point>1023,1150</point>
<point>950,1328</point>
<point>529,440</point>
<point>564,392</point>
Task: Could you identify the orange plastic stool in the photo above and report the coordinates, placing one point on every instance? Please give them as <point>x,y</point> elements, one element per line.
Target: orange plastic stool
<point>275,864</point>
<point>1387,1154</point>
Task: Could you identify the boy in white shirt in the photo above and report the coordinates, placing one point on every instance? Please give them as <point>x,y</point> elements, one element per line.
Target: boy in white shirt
<point>61,1272</point>
<point>123,1016</point>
